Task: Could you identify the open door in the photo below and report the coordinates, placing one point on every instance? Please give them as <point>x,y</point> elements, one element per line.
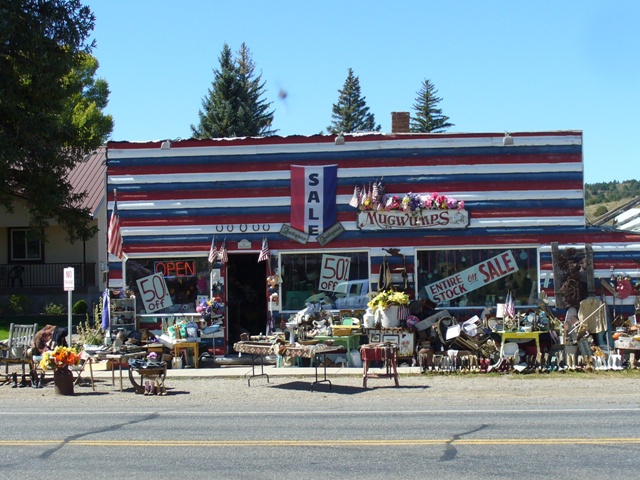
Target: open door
<point>246,296</point>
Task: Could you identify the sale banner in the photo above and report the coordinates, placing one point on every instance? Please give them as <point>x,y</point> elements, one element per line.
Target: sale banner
<point>472,278</point>
<point>154,293</point>
<point>335,269</point>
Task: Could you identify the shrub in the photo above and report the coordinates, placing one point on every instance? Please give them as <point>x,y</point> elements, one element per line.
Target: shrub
<point>17,303</point>
<point>80,307</point>
<point>53,309</point>
<point>601,210</point>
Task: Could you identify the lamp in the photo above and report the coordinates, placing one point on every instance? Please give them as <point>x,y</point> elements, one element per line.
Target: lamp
<point>508,139</point>
<point>339,140</point>
<point>166,145</point>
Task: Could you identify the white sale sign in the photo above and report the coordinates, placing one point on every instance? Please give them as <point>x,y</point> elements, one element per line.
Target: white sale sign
<point>154,292</point>
<point>335,269</point>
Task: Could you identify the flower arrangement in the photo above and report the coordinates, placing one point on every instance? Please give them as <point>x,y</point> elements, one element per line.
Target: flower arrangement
<point>387,299</point>
<point>374,198</point>
<point>60,357</point>
<point>210,308</point>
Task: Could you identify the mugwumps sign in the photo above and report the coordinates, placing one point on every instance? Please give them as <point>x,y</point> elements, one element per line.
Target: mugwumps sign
<point>438,219</point>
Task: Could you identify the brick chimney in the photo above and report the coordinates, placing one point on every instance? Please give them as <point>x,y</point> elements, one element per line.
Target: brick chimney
<point>400,122</point>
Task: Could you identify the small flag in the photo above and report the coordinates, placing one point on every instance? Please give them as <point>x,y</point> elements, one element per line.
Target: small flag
<point>222,254</point>
<point>509,306</point>
<point>114,234</point>
<point>355,200</point>
<point>264,253</point>
<point>213,251</point>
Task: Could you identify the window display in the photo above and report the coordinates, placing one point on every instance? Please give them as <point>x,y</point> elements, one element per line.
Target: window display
<point>337,279</point>
<point>478,277</point>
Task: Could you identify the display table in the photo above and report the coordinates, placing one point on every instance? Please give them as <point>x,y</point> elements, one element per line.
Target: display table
<point>380,352</point>
<point>314,352</point>
<point>349,342</point>
<point>120,358</point>
<point>403,337</point>
<point>256,350</point>
<point>519,336</point>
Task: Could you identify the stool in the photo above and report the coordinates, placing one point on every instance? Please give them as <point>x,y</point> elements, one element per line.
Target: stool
<point>385,352</point>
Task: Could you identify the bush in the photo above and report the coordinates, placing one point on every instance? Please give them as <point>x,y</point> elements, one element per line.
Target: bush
<point>53,309</point>
<point>80,308</point>
<point>601,210</point>
<point>17,303</point>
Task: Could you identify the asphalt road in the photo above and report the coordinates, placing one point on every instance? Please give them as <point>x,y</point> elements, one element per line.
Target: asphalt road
<point>438,427</point>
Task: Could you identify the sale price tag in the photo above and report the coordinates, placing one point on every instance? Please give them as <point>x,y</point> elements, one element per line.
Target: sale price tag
<point>335,269</point>
<point>154,293</point>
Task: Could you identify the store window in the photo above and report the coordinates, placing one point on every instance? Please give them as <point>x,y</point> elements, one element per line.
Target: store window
<point>25,246</point>
<point>478,277</point>
<point>186,279</point>
<point>338,279</point>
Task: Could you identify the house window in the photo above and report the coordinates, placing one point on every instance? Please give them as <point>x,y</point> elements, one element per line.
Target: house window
<point>339,279</point>
<point>25,246</point>
<point>478,278</point>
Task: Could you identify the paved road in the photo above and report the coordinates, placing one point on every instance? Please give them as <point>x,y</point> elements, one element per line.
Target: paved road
<point>442,427</point>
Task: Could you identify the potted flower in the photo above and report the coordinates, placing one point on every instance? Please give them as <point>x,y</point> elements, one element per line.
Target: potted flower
<point>59,360</point>
<point>385,306</point>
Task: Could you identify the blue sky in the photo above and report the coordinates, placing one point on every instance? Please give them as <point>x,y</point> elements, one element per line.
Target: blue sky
<point>498,65</point>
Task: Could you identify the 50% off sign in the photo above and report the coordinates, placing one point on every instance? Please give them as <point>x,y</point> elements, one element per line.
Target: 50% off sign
<point>335,269</point>
<point>154,292</point>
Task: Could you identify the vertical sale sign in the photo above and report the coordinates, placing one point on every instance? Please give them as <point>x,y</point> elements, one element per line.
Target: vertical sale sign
<point>472,278</point>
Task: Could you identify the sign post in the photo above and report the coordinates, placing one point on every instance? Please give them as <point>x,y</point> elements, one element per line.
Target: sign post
<point>69,286</point>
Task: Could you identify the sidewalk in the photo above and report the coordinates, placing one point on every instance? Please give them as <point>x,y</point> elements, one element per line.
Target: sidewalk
<point>100,371</point>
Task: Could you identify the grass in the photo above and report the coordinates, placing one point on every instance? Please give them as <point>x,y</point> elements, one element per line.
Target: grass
<point>41,320</point>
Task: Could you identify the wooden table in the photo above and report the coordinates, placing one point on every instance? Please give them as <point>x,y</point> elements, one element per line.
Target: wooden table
<point>119,357</point>
<point>519,336</point>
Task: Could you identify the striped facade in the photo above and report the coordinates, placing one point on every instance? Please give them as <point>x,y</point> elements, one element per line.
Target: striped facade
<point>172,201</point>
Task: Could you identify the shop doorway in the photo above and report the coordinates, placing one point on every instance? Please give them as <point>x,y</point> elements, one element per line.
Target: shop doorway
<point>246,296</point>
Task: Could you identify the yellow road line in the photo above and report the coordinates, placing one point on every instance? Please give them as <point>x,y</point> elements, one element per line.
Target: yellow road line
<point>321,443</point>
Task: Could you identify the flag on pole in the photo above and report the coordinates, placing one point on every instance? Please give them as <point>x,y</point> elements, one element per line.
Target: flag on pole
<point>264,253</point>
<point>222,254</point>
<point>114,245</point>
<point>509,306</point>
<point>213,251</point>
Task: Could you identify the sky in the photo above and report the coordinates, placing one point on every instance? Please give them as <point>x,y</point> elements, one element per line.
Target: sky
<point>498,65</point>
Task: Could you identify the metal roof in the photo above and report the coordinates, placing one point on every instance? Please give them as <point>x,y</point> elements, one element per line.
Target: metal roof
<point>89,176</point>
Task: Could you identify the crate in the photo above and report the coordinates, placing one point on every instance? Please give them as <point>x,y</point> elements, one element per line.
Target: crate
<point>344,330</point>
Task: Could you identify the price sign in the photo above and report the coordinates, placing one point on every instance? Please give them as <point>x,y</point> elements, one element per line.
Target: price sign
<point>154,292</point>
<point>335,269</point>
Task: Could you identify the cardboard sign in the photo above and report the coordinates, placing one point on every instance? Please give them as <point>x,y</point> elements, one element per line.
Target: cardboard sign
<point>335,269</point>
<point>472,278</point>
<point>154,292</point>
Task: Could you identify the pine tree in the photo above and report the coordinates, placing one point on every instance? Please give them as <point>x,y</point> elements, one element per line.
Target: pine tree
<point>233,106</point>
<point>351,113</point>
<point>428,117</point>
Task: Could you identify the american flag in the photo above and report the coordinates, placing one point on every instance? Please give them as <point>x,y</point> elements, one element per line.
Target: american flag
<point>213,251</point>
<point>264,253</point>
<point>114,245</point>
<point>355,200</point>
<point>222,254</point>
<point>509,306</point>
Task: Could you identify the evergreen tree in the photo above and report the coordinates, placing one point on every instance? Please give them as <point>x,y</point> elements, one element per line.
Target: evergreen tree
<point>50,109</point>
<point>428,117</point>
<point>351,113</point>
<point>233,106</point>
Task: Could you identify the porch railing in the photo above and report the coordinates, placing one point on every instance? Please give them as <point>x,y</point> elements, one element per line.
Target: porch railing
<point>17,275</point>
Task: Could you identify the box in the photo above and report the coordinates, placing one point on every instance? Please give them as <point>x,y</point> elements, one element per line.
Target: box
<point>343,330</point>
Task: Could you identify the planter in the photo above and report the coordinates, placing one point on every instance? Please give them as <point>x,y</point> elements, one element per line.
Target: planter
<point>389,317</point>
<point>63,381</point>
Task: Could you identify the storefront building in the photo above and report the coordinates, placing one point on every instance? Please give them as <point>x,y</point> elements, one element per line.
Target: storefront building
<point>458,219</point>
